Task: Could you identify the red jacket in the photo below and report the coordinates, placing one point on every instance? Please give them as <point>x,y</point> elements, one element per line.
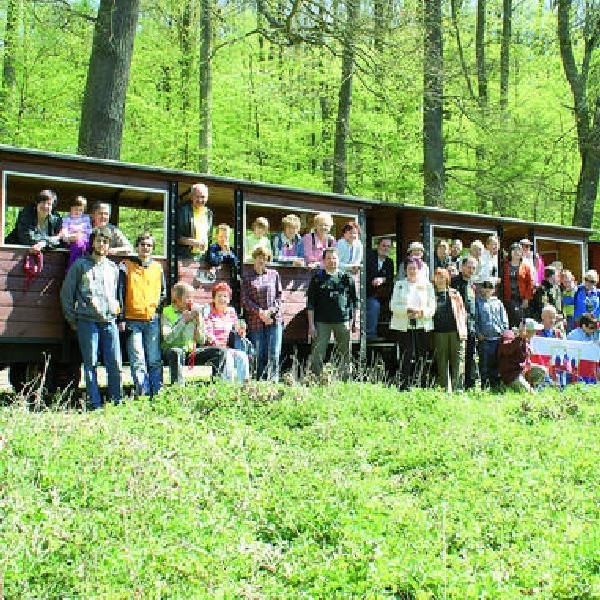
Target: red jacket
<point>525,280</point>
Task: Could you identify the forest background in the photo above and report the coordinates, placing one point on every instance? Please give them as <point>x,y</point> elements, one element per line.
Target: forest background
<point>482,105</point>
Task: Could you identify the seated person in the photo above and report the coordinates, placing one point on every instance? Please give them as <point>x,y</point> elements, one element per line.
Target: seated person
<point>550,328</point>
<point>287,244</point>
<point>184,334</point>
<point>514,360</point>
<point>318,240</point>
<point>119,244</point>
<point>221,253</point>
<point>442,255</point>
<point>38,226</point>
<point>489,259</point>
<point>238,340</point>
<point>194,224</point>
<point>568,288</point>
<point>258,237</point>
<point>587,330</point>
<point>220,321</point>
<point>350,248</point>
<point>76,229</point>
<point>476,250</point>
<point>415,250</point>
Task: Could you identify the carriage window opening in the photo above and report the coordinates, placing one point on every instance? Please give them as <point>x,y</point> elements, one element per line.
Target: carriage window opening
<point>133,209</point>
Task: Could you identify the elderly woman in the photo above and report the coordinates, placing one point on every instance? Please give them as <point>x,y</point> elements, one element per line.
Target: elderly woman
<point>220,322</point>
<point>449,332</point>
<point>261,299</point>
<point>587,296</point>
<point>318,240</point>
<point>413,307</point>
<point>287,244</point>
<point>350,248</point>
<point>37,225</point>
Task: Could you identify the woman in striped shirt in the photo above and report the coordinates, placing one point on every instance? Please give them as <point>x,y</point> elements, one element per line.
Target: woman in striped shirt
<point>219,323</point>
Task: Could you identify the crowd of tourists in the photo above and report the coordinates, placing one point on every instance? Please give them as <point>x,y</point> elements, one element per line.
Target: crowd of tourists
<point>453,310</point>
<point>472,334</point>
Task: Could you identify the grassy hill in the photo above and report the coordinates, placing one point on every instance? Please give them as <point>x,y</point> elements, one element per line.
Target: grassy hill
<point>342,491</point>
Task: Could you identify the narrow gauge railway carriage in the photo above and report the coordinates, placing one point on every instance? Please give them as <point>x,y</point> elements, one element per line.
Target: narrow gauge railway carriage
<point>31,324</point>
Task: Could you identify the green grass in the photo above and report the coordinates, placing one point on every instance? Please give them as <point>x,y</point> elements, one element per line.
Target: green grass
<point>335,492</point>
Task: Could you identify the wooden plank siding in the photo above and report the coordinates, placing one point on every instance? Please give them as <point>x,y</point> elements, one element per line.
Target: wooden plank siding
<point>33,313</point>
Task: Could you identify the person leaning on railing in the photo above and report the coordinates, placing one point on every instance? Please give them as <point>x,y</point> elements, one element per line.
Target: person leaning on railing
<point>38,225</point>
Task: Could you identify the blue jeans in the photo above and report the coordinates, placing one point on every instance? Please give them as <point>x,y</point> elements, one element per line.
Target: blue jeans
<point>104,337</point>
<point>267,344</point>
<point>143,348</point>
<point>372,317</point>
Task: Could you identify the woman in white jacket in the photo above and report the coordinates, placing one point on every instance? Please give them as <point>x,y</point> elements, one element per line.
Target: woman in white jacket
<point>413,307</point>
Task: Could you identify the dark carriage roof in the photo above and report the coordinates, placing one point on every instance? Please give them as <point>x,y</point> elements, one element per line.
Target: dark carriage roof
<point>269,188</point>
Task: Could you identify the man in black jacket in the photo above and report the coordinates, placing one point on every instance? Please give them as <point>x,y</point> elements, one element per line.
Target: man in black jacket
<point>462,283</point>
<point>380,281</point>
<point>331,303</point>
<point>194,224</point>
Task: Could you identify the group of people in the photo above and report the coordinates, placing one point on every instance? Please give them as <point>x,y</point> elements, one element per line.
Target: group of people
<point>458,316</point>
<point>455,311</point>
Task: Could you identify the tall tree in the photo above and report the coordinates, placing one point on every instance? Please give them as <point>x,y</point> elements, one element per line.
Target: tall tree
<point>103,108</point>
<point>9,74</point>
<point>587,118</point>
<point>340,170</point>
<point>505,52</point>
<point>433,93</point>
<point>205,80</point>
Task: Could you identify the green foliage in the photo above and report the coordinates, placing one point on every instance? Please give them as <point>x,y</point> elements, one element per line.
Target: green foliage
<point>350,490</point>
<point>274,107</point>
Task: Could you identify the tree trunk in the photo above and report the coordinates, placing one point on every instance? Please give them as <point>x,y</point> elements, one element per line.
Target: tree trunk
<point>103,109</point>
<point>588,134</point>
<point>340,167</point>
<point>482,100</point>
<point>9,74</point>
<point>587,185</point>
<point>205,79</point>
<point>433,71</point>
<point>505,52</point>
<point>185,64</point>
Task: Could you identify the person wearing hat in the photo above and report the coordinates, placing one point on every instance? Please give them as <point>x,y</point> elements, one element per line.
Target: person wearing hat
<point>536,262</point>
<point>416,250</point>
<point>518,285</point>
<point>491,322</point>
<point>514,362</point>
<point>587,330</point>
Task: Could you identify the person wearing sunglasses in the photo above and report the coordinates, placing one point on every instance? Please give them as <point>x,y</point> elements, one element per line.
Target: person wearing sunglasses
<point>587,330</point>
<point>587,297</point>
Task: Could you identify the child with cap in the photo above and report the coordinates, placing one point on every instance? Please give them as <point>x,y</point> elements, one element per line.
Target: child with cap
<point>491,322</point>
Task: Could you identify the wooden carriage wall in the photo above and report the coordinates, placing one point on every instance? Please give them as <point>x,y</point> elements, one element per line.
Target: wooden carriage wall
<point>143,196</point>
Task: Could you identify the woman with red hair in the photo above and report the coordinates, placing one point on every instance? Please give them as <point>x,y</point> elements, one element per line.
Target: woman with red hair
<point>219,324</point>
